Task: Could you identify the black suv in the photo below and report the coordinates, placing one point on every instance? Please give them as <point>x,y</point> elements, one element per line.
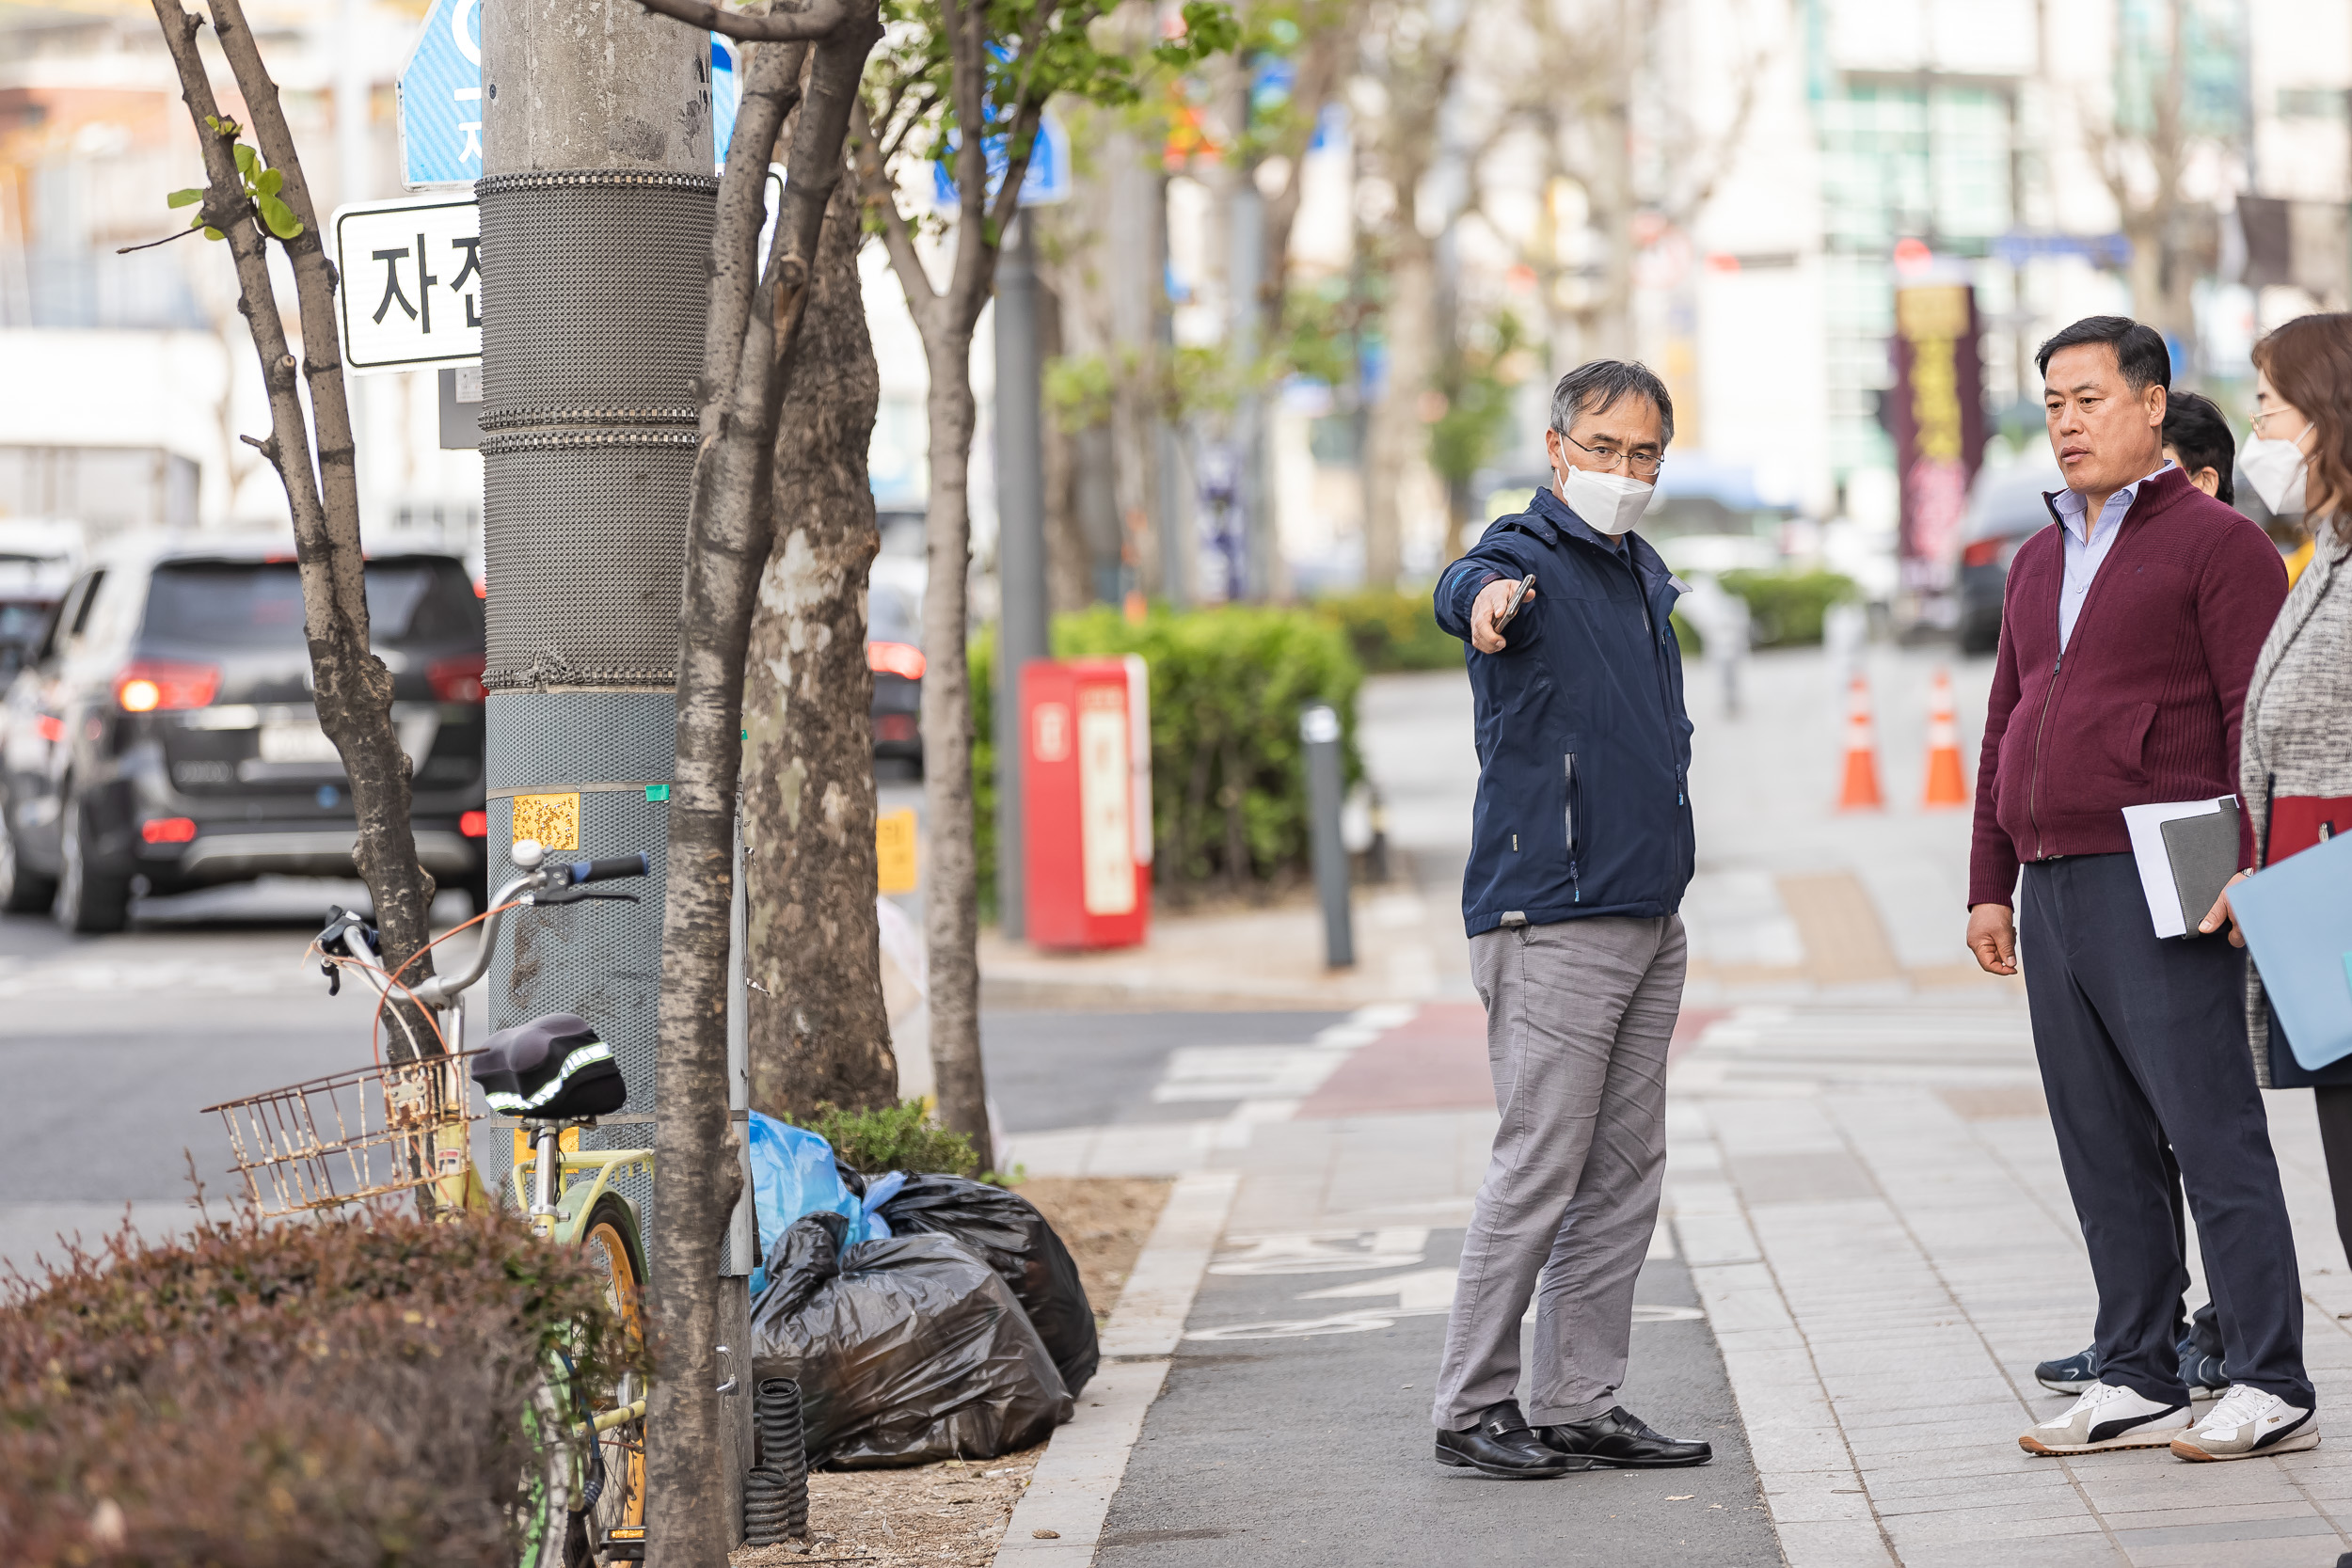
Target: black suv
<point>161,737</point>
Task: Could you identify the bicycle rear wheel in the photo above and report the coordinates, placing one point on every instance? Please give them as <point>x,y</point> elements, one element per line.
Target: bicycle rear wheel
<point>614,1517</point>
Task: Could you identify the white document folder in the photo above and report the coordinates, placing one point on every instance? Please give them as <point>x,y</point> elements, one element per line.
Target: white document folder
<point>2146,826</point>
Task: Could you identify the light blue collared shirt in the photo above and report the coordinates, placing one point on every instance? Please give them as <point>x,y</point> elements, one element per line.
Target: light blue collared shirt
<point>2087,548</point>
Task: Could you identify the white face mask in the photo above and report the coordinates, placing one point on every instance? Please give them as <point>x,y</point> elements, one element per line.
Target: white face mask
<point>2276,470</point>
<point>1609,504</point>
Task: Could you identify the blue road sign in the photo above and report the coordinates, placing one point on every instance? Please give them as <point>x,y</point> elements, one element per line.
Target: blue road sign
<point>726,91</point>
<point>1045,183</point>
<point>440,100</point>
<point>439,91</point>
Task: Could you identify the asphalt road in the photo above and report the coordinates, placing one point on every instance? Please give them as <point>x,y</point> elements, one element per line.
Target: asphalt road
<point>109,1047</point>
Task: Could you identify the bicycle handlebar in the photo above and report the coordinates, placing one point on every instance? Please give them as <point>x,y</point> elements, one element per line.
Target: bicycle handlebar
<point>607,870</point>
<point>545,884</point>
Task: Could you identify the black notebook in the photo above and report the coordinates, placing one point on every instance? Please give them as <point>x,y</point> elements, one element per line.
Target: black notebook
<point>2203,853</point>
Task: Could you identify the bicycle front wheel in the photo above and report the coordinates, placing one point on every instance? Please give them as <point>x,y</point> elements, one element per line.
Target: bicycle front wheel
<point>613,1519</point>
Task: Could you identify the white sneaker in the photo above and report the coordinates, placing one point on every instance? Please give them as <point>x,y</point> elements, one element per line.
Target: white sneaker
<point>2248,1422</point>
<point>2108,1417</point>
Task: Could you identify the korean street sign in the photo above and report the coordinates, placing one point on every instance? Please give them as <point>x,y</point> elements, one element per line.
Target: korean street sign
<point>411,283</point>
<point>439,96</point>
<point>410,294</point>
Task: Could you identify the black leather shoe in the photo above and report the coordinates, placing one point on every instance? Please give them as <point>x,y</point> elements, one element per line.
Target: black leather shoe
<point>1615,1439</point>
<point>1502,1444</point>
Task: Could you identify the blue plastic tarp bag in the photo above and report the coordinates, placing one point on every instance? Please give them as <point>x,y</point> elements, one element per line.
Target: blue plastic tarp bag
<point>793,1173</point>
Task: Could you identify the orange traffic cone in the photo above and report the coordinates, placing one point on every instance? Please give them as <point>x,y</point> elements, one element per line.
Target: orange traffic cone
<point>1861,791</point>
<point>1948,786</point>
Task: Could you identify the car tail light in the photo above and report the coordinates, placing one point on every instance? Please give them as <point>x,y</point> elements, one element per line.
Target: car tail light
<point>50,727</point>
<point>895,658</point>
<point>167,829</point>
<point>457,680</point>
<point>894,727</point>
<point>474,824</point>
<point>165,686</point>
<point>1984,552</point>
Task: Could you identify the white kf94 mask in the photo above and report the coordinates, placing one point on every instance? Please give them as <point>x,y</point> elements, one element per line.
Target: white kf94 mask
<point>1609,504</point>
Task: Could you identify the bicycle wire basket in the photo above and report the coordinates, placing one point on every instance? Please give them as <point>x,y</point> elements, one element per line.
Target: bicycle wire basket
<point>351,1137</point>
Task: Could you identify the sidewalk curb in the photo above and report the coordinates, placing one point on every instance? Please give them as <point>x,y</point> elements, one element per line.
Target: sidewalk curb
<point>1071,1490</point>
<point>1820,1509</point>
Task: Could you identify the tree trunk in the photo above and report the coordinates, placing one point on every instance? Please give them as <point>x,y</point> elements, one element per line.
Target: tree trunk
<point>729,529</point>
<point>951,914</point>
<point>1399,435</point>
<point>818,1031</point>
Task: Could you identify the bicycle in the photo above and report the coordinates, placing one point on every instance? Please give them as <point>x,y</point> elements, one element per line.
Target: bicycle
<point>406,1125</point>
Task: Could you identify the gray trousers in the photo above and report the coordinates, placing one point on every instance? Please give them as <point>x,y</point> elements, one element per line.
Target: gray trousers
<point>1579,1016</point>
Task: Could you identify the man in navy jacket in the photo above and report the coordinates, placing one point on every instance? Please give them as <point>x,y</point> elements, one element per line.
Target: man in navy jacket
<point>1581,848</point>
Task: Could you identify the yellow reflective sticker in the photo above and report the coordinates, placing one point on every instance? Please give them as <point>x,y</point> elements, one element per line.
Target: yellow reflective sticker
<point>894,851</point>
<point>553,819</point>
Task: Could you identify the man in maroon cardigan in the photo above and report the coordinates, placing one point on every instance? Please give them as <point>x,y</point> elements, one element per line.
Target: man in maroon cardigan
<point>2128,635</point>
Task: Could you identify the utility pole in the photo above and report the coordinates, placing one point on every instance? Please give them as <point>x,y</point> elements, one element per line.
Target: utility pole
<point>1248,239</point>
<point>597,211</point>
<point>1179,537</point>
<point>1022,632</point>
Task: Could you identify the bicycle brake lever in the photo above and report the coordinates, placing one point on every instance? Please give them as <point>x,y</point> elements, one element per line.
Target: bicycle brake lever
<point>334,979</point>
<point>579,896</point>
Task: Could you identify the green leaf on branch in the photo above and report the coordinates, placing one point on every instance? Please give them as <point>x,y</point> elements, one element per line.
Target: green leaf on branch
<point>279,217</point>
<point>249,161</point>
<point>271,183</point>
<point>215,234</point>
<point>183,199</point>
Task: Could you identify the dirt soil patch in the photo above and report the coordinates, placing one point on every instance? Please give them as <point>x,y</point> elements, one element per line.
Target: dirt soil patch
<point>953,1514</point>
<point>1103,1221</point>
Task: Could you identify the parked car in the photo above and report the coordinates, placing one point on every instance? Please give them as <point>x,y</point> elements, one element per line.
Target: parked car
<point>162,736</point>
<point>37,561</point>
<point>894,651</point>
<point>2005,509</point>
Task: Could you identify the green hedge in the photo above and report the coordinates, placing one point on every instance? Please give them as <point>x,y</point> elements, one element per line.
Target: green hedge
<point>350,1392</point>
<point>1390,629</point>
<point>1786,608</point>
<point>1229,789</point>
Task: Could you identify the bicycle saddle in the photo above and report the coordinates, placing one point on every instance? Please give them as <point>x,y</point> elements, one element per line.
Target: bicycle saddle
<point>554,1068</point>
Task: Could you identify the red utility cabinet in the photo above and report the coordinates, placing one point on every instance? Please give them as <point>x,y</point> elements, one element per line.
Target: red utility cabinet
<point>1085,728</point>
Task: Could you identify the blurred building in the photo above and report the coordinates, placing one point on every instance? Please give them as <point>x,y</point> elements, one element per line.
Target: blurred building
<point>119,362</point>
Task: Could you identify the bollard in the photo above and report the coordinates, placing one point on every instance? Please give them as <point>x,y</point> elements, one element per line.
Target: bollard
<point>775,1492</point>
<point>1319,728</point>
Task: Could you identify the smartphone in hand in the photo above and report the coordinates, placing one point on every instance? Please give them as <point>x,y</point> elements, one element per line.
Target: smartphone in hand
<point>1511,605</point>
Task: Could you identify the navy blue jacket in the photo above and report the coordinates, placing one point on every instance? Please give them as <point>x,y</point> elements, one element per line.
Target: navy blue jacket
<point>1583,747</point>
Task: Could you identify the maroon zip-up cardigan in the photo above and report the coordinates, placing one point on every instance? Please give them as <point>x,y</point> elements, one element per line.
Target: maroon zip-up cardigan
<point>2146,702</point>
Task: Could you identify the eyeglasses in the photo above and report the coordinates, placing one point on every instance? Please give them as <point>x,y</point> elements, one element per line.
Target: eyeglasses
<point>1641,465</point>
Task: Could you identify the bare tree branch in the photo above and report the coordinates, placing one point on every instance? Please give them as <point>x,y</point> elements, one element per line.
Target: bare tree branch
<point>881,197</point>
<point>786,22</point>
<point>771,85</point>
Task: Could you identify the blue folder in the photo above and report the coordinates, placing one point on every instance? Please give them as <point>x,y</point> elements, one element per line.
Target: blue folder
<point>2297,920</point>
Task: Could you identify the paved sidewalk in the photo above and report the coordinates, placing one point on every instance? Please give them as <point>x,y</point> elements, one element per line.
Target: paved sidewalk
<point>1866,1212</point>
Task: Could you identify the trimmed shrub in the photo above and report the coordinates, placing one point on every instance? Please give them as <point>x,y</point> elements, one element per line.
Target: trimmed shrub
<point>346,1392</point>
<point>1391,629</point>
<point>1786,608</point>
<point>901,1136</point>
<point>1229,783</point>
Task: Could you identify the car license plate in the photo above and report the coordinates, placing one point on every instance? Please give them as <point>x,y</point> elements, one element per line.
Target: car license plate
<point>298,743</point>
<point>553,819</point>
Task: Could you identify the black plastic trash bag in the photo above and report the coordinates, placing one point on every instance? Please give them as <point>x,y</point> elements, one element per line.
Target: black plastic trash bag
<point>906,1350</point>
<point>1005,1229</point>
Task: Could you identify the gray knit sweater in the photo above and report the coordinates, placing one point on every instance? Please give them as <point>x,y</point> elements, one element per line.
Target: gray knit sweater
<point>2299,721</point>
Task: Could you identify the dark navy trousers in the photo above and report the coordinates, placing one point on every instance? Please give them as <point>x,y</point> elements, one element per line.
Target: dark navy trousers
<point>2142,1041</point>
